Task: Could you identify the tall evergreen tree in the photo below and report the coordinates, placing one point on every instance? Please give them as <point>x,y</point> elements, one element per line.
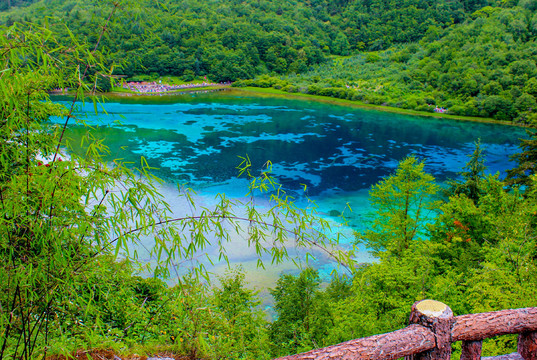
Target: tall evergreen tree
<point>526,161</point>
<point>472,174</point>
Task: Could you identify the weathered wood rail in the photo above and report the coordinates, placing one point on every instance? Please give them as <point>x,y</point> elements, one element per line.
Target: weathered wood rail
<point>431,331</point>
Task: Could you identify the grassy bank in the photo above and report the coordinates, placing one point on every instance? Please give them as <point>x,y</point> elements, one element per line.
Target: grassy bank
<point>361,105</point>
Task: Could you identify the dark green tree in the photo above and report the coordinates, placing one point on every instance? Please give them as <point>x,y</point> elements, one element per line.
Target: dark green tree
<point>526,161</point>
<point>294,303</point>
<point>472,174</point>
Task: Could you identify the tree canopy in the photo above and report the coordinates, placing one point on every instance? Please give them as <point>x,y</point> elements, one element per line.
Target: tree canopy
<point>230,40</point>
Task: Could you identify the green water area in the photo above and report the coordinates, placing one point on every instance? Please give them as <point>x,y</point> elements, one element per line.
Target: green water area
<point>337,152</point>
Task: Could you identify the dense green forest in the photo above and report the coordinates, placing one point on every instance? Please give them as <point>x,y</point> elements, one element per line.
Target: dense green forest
<point>63,221</point>
<point>231,40</point>
<point>482,68</point>
<point>473,58</point>
<point>7,4</point>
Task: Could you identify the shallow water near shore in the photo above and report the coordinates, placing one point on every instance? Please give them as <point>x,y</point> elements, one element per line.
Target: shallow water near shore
<point>335,152</point>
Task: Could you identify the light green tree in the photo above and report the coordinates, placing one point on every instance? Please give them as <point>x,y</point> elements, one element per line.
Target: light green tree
<point>340,45</point>
<point>244,326</point>
<point>402,204</point>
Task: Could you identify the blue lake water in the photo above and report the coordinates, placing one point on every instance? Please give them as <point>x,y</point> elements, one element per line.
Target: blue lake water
<point>338,152</point>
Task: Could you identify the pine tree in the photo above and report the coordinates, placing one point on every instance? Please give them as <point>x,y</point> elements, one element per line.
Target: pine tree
<point>472,174</point>
<point>526,161</point>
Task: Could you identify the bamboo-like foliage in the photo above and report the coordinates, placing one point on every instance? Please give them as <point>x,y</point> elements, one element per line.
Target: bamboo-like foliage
<point>60,212</point>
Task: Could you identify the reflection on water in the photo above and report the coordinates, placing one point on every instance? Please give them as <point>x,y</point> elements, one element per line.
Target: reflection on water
<point>337,152</point>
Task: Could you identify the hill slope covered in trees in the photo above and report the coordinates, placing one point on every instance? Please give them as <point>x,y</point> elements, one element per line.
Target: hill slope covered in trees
<point>228,40</point>
<point>475,58</point>
<point>484,67</point>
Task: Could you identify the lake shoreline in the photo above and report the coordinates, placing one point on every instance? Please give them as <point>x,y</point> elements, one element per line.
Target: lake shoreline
<point>323,99</point>
<point>361,105</point>
<point>171,92</point>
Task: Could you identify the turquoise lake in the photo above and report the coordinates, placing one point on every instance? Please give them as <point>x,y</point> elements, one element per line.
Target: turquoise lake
<point>337,151</point>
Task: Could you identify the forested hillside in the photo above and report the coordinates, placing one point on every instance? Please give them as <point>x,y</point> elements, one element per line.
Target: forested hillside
<point>473,58</point>
<point>8,4</point>
<point>484,67</point>
<point>230,40</point>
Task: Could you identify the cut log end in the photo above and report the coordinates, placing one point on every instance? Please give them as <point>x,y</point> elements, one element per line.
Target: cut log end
<point>438,317</point>
<point>432,308</point>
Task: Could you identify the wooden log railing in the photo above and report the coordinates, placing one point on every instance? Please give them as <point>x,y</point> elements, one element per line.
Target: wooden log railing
<point>431,331</point>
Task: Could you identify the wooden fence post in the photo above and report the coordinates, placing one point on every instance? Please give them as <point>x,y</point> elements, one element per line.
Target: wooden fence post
<point>471,349</point>
<point>439,318</point>
<point>527,345</point>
